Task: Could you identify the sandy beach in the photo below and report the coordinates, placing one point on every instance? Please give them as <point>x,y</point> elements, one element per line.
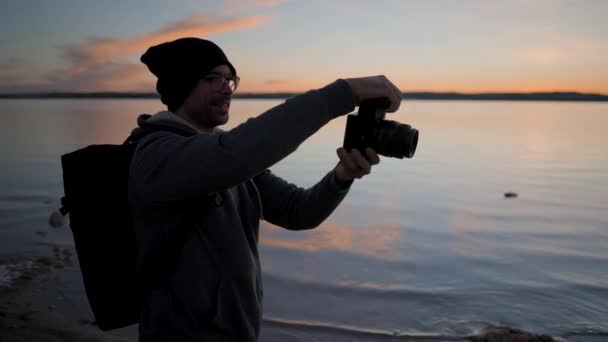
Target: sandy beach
<point>42,299</point>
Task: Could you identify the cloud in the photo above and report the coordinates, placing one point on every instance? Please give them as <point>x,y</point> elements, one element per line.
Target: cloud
<point>11,63</point>
<point>104,64</point>
<point>544,56</point>
<point>10,83</point>
<point>109,76</point>
<point>11,68</point>
<point>566,53</point>
<point>20,75</point>
<point>100,51</point>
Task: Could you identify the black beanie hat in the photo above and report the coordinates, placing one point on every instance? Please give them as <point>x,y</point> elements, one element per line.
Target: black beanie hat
<point>180,64</point>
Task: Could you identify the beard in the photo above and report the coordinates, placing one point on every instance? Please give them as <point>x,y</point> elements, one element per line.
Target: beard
<point>213,113</point>
<point>219,107</point>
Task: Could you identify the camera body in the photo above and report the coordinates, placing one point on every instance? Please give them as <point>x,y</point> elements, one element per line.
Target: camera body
<point>368,128</point>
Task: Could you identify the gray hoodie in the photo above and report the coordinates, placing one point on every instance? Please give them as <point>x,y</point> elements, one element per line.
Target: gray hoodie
<point>197,202</point>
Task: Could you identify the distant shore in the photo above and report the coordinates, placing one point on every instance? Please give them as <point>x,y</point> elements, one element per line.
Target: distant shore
<point>544,96</point>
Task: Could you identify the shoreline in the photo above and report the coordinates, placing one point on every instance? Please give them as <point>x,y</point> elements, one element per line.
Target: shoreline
<point>46,302</point>
<point>36,305</point>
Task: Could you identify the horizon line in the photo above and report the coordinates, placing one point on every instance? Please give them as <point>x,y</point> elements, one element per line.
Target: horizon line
<point>416,95</point>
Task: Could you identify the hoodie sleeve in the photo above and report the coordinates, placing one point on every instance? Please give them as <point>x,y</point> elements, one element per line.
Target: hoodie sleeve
<point>169,167</point>
<point>289,206</point>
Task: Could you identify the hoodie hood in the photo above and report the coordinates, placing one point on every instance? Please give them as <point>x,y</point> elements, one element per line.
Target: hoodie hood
<point>162,119</point>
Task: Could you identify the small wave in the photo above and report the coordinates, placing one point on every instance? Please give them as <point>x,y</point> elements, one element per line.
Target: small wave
<point>493,332</point>
<point>587,333</point>
<point>360,331</point>
<point>423,295</point>
<point>27,199</point>
<point>11,271</point>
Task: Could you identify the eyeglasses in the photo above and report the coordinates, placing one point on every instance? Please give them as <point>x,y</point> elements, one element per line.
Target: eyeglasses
<point>218,81</point>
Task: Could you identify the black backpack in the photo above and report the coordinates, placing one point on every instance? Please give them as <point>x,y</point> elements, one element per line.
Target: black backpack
<point>95,180</point>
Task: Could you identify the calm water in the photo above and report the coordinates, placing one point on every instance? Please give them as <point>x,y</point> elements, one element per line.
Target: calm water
<point>422,245</point>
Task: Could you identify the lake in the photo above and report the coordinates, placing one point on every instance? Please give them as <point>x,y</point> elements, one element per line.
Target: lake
<point>428,244</point>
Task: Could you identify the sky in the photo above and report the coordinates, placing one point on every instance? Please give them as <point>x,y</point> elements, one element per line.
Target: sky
<point>294,45</point>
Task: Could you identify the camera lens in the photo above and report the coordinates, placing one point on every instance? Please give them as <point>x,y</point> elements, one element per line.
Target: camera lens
<point>394,139</point>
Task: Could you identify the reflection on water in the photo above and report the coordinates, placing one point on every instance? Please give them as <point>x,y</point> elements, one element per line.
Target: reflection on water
<point>373,241</point>
<point>426,244</point>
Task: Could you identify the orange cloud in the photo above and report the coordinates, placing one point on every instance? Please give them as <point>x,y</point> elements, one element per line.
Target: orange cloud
<point>125,77</point>
<point>99,51</point>
<point>99,64</point>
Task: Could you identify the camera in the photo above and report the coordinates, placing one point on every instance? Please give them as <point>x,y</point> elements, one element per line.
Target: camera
<point>369,129</point>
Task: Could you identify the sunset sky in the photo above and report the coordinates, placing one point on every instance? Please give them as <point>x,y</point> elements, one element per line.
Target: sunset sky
<point>295,45</point>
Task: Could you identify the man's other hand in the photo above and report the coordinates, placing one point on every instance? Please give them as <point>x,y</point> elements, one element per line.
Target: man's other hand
<point>354,165</point>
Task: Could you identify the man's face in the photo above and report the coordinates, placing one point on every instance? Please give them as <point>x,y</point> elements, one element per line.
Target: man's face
<point>209,102</point>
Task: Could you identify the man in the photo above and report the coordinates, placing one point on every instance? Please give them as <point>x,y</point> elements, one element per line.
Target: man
<point>197,193</point>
